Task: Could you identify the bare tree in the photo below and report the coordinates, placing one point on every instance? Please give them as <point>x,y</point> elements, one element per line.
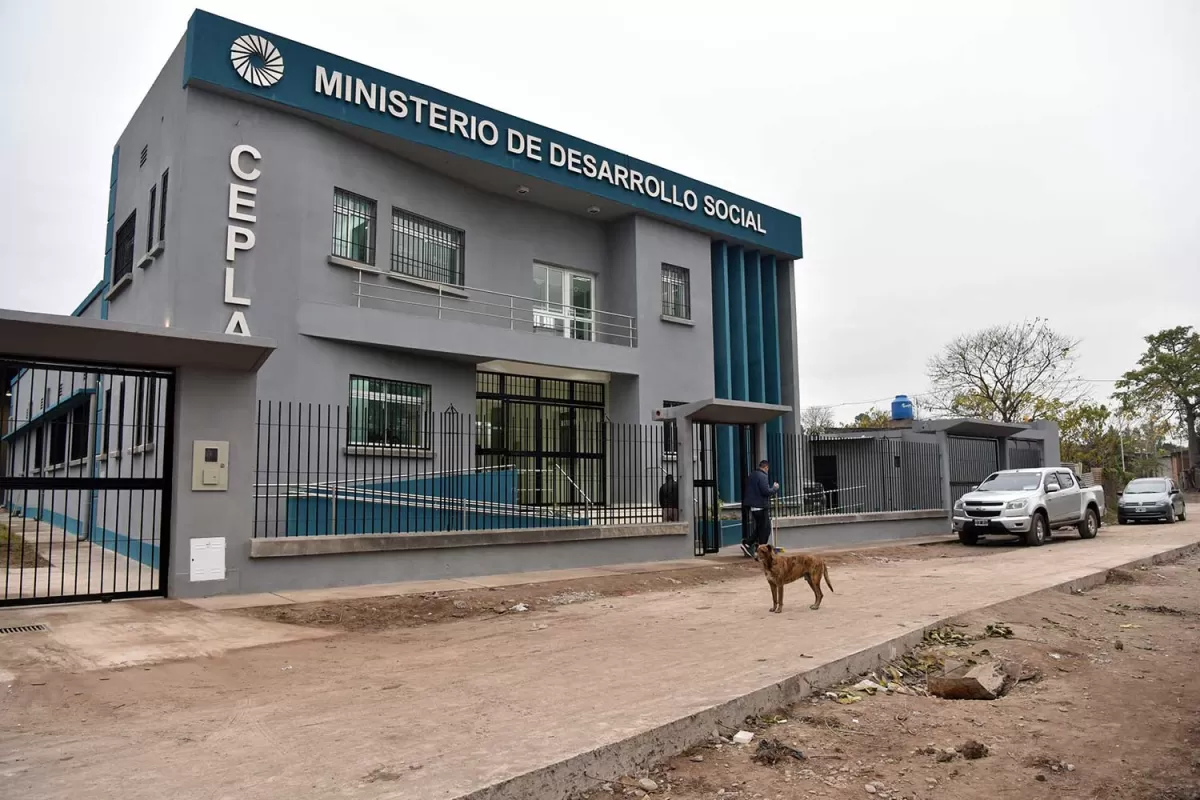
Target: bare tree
<point>816,419</point>
<point>1007,373</point>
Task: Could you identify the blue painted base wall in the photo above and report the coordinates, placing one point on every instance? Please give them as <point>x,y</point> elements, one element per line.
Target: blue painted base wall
<point>472,502</point>
<point>137,550</point>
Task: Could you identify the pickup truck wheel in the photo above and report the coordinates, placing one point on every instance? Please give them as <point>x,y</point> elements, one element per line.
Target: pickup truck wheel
<point>1090,525</point>
<point>1037,533</point>
<point>968,538</point>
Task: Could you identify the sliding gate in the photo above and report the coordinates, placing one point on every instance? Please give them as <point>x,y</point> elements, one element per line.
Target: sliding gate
<point>85,477</point>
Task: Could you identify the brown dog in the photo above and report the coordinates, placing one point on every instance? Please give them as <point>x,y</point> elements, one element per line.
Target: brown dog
<point>782,570</point>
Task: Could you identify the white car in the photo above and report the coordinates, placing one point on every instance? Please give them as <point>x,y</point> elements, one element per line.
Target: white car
<point>1028,504</point>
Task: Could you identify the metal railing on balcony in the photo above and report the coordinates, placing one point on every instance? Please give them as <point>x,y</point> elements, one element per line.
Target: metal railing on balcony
<point>495,309</point>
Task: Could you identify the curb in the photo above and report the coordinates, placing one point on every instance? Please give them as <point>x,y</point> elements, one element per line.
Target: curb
<point>576,774</point>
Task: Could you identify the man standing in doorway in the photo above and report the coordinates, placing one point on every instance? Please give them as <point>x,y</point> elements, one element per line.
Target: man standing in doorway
<point>757,497</point>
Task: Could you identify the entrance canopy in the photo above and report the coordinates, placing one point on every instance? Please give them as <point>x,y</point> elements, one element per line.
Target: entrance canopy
<point>976,428</point>
<point>50,337</point>
<point>724,412</point>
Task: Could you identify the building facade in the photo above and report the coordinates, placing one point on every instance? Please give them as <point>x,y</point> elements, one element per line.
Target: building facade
<point>414,254</point>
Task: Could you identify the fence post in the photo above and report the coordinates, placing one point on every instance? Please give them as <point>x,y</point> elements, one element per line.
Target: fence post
<point>943,443</point>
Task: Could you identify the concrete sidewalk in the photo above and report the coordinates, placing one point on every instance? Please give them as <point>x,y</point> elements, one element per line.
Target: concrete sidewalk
<point>521,706</point>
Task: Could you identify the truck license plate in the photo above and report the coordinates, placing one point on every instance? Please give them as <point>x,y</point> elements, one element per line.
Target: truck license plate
<point>981,523</point>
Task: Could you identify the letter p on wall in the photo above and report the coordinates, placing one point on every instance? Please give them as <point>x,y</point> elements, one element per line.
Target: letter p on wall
<point>237,238</point>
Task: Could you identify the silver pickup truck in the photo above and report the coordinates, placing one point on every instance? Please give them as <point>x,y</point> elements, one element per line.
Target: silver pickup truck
<point>1029,504</point>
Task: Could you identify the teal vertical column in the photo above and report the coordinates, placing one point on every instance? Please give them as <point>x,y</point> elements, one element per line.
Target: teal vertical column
<point>754,329</point>
<point>772,364</point>
<point>720,294</point>
<point>740,377</point>
<point>727,482</point>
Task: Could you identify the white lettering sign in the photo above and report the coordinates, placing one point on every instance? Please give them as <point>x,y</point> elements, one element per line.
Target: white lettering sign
<point>238,237</point>
<point>454,122</point>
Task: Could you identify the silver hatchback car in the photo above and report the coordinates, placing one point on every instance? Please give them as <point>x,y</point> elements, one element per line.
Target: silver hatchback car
<point>1151,500</point>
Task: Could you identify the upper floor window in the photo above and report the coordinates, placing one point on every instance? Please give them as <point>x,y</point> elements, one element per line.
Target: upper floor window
<point>122,263</point>
<point>563,302</point>
<point>385,413</point>
<point>425,249</point>
<point>162,213</point>
<point>150,223</point>
<point>676,292</point>
<point>353,227</point>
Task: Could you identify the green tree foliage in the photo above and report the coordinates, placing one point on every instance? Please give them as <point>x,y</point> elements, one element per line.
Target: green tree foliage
<point>1166,383</point>
<point>875,418</point>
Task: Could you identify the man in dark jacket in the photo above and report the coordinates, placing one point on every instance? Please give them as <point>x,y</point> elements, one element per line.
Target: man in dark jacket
<point>668,499</point>
<point>757,498</point>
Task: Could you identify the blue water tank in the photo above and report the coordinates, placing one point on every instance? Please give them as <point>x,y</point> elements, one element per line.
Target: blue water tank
<point>902,407</point>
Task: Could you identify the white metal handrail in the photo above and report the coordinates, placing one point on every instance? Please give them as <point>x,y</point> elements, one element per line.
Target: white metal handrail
<point>609,325</point>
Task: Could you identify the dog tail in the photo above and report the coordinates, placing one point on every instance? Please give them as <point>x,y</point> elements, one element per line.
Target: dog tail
<point>827,583</point>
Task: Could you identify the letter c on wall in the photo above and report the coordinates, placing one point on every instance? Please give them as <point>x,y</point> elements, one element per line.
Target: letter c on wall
<point>235,162</point>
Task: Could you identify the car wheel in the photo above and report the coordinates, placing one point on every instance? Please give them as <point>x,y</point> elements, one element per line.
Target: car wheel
<point>1183,513</point>
<point>1170,520</point>
<point>1037,533</point>
<point>1090,525</point>
<point>1122,521</point>
<point>968,538</point>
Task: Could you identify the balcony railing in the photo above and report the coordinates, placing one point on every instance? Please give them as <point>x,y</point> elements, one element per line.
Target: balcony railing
<point>496,309</point>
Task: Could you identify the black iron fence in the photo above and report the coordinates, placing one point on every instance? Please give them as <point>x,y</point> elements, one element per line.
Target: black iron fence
<point>334,470</point>
<point>831,475</point>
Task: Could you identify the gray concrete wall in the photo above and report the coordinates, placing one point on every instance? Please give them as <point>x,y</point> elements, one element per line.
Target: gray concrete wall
<point>213,405</point>
<point>158,125</point>
<point>805,533</point>
<point>352,569</point>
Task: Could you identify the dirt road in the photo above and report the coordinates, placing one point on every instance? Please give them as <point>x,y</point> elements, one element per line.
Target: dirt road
<point>1109,707</point>
<point>439,711</point>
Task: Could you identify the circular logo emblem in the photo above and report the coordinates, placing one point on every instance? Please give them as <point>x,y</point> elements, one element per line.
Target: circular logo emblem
<point>256,60</point>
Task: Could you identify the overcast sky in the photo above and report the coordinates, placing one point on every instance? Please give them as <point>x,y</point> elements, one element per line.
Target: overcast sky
<point>956,164</point>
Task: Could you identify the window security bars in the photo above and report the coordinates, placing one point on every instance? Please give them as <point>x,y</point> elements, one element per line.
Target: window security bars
<point>425,249</point>
<point>353,227</point>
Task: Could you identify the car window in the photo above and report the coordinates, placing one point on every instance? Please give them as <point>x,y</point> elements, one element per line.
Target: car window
<point>1065,480</point>
<point>1146,486</point>
<point>1050,478</point>
<point>1010,482</point>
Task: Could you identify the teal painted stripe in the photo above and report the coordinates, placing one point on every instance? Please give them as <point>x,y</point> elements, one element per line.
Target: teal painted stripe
<point>737,324</point>
<point>721,335</point>
<point>755,334</point>
<point>770,304</point>
<point>133,549</point>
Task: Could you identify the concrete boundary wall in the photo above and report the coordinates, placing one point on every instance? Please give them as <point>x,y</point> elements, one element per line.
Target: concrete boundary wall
<point>283,546</point>
<point>847,530</point>
<point>310,568</point>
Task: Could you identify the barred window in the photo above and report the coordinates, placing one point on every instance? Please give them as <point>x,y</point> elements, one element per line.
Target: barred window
<point>676,292</point>
<point>122,264</point>
<point>425,249</point>
<point>80,430</point>
<point>353,227</point>
<point>386,413</point>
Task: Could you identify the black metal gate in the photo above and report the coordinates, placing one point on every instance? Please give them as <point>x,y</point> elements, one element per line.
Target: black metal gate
<point>85,481</point>
<point>707,498</point>
<point>971,460</point>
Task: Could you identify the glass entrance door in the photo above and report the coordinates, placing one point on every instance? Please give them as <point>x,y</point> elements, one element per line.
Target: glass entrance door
<point>564,302</point>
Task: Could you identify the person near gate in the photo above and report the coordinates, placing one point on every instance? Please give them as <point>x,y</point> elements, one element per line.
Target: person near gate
<point>757,497</point>
<point>668,499</point>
